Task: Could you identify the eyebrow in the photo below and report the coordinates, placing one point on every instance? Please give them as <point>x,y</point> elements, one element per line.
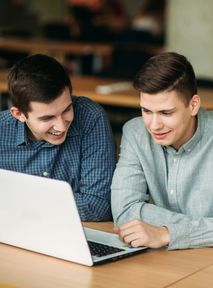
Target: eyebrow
<point>161,111</point>
<point>49,116</point>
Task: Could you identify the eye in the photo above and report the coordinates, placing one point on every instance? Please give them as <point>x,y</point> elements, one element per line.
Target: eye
<point>68,109</point>
<point>46,119</point>
<point>144,110</point>
<point>166,113</point>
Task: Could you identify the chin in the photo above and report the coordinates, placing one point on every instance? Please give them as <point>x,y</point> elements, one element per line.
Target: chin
<point>56,142</point>
<point>163,143</point>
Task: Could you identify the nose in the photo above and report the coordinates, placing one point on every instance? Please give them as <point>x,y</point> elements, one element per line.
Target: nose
<point>156,123</point>
<point>60,124</point>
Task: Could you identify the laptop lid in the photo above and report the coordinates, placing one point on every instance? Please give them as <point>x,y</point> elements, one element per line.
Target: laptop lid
<point>40,214</point>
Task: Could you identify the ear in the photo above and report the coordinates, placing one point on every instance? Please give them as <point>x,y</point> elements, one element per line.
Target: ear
<point>18,114</point>
<point>195,104</point>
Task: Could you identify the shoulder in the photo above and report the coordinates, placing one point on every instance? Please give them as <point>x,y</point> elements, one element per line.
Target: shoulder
<point>4,114</point>
<point>6,118</point>
<point>87,114</point>
<point>135,132</point>
<point>8,128</point>
<point>206,114</point>
<point>205,119</point>
<point>86,106</point>
<point>134,126</point>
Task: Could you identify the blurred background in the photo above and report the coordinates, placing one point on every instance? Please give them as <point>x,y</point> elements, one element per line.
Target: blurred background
<point>101,42</point>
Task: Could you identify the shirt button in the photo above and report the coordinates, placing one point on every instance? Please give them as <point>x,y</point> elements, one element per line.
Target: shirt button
<point>174,160</point>
<point>171,191</point>
<point>45,173</point>
<point>189,150</point>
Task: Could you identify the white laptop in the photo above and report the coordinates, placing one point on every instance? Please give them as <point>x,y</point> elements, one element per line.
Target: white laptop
<point>40,215</point>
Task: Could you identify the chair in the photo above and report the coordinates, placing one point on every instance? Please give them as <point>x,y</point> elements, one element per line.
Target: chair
<point>56,31</point>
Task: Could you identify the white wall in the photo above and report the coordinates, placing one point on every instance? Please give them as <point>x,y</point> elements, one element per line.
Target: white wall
<point>190,32</point>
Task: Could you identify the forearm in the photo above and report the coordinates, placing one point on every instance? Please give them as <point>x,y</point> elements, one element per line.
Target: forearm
<point>184,231</point>
<point>92,208</point>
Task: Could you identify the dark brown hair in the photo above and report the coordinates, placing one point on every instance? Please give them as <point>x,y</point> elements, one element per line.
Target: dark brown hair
<point>167,71</point>
<point>37,78</point>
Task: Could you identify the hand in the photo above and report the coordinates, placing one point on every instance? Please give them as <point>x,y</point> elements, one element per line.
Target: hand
<point>138,233</point>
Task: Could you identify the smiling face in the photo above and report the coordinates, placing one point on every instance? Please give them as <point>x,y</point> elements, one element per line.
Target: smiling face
<point>48,121</point>
<point>169,121</point>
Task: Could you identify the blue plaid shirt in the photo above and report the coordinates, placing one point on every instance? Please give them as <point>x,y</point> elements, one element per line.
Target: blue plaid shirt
<point>85,160</point>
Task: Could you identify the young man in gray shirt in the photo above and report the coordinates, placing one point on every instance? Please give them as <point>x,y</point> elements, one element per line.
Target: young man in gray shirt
<point>166,155</point>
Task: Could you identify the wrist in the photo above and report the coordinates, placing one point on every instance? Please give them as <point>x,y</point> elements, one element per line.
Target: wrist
<point>165,235</point>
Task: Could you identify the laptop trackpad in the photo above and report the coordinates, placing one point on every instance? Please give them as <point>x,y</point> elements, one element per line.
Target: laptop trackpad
<point>104,237</point>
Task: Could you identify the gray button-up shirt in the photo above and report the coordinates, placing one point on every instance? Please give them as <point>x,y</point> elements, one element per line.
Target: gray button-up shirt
<point>180,183</point>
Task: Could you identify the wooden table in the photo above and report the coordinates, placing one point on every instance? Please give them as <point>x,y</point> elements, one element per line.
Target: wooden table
<point>50,47</point>
<point>58,49</point>
<point>87,86</point>
<point>202,278</point>
<point>154,268</point>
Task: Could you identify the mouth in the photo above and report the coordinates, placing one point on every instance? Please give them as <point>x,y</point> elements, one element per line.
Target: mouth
<point>160,136</point>
<point>56,134</point>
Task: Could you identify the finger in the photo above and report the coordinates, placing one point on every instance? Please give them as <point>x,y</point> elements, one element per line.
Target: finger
<point>130,224</point>
<point>135,239</point>
<point>137,243</point>
<point>134,228</point>
<point>116,230</point>
<point>126,232</point>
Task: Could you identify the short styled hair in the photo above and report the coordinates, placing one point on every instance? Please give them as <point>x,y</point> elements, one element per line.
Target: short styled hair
<point>167,71</point>
<point>38,78</point>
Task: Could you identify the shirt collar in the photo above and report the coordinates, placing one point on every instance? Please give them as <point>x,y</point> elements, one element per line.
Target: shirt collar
<point>188,146</point>
<point>23,139</point>
<point>22,134</point>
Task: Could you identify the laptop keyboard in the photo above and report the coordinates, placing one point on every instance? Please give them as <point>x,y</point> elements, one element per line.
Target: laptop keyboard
<point>99,250</point>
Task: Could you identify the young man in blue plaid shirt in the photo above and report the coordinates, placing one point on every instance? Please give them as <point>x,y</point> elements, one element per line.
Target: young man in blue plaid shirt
<point>50,133</point>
